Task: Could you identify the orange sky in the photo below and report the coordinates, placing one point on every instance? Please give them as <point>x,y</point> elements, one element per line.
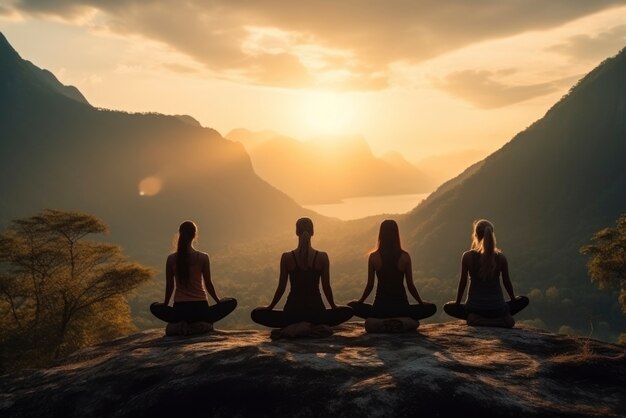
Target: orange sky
<point>419,77</point>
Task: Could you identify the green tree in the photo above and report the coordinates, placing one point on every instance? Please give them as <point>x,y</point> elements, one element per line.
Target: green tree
<point>607,260</point>
<point>60,291</point>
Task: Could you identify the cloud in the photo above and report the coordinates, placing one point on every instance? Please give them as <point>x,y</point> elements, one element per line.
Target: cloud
<point>349,44</point>
<point>279,70</point>
<point>179,68</point>
<point>593,48</point>
<point>483,90</point>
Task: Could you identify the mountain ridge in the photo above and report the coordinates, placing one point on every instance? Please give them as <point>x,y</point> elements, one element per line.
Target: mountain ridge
<point>50,137</point>
<point>44,78</point>
<point>547,191</point>
<point>328,169</point>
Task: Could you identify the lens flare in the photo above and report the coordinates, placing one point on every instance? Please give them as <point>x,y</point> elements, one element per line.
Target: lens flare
<point>150,186</point>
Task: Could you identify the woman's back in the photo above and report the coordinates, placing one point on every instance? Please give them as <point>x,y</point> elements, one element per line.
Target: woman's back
<point>191,289</point>
<point>390,288</point>
<point>304,281</point>
<point>484,293</point>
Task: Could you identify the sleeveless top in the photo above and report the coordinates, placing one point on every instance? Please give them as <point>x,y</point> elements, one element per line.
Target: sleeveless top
<point>193,290</point>
<point>484,294</point>
<point>304,293</point>
<point>390,290</point>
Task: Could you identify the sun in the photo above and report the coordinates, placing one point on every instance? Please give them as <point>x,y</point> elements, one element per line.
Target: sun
<point>328,113</point>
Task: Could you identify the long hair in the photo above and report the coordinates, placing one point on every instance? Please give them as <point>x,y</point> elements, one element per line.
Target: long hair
<point>186,234</point>
<point>484,241</point>
<point>304,231</point>
<point>389,245</point>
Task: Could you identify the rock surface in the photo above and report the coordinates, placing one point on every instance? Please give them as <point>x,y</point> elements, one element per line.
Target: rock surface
<point>440,370</point>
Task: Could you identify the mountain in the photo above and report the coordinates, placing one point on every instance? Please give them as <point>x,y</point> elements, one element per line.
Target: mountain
<point>17,73</point>
<point>141,173</point>
<point>329,169</point>
<point>443,167</point>
<point>547,191</point>
<point>438,371</point>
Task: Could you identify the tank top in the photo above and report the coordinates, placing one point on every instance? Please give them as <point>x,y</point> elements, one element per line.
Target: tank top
<point>193,290</point>
<point>484,294</point>
<point>304,293</point>
<point>390,290</point>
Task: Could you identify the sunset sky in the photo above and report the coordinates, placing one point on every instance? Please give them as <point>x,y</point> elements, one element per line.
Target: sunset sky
<point>419,77</point>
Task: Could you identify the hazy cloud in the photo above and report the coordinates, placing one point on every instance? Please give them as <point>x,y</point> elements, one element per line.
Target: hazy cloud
<point>347,44</point>
<point>482,89</point>
<point>179,68</point>
<point>593,48</point>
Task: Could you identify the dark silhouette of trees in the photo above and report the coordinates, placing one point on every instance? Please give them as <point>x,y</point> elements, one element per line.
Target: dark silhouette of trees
<point>58,290</point>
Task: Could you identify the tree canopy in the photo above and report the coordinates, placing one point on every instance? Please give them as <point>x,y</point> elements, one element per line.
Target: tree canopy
<point>60,291</point>
<point>607,258</point>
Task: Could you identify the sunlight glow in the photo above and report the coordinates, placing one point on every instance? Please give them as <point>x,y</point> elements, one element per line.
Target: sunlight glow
<point>150,186</point>
<point>329,113</point>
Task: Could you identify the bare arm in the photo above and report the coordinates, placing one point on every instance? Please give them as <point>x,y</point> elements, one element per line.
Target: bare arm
<point>208,283</point>
<point>170,267</point>
<point>371,272</point>
<point>282,282</point>
<point>408,276</point>
<point>463,279</point>
<point>326,280</point>
<point>506,280</point>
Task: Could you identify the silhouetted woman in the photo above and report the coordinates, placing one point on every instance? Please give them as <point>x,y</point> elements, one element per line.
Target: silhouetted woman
<point>485,264</point>
<point>303,267</point>
<point>392,266</point>
<point>188,276</point>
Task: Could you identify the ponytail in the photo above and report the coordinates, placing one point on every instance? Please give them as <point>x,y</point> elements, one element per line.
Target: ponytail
<point>484,242</point>
<point>304,231</point>
<point>488,254</point>
<point>186,235</point>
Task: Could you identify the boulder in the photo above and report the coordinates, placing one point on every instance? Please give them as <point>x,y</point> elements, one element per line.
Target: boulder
<point>439,370</point>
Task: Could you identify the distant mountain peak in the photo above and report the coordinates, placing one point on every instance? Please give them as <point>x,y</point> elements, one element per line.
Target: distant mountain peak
<point>17,73</point>
<point>189,120</point>
<point>5,46</point>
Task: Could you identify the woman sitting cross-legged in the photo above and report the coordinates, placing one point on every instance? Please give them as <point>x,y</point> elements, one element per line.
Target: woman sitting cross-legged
<point>391,311</point>
<point>303,267</point>
<point>187,275</point>
<point>485,264</point>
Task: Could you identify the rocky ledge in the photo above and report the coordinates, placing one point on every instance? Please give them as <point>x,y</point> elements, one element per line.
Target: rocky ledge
<point>440,370</point>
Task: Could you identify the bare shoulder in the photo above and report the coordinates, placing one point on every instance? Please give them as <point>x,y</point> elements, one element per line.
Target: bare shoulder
<point>285,256</point>
<point>286,259</point>
<point>375,261</point>
<point>374,257</point>
<point>203,255</point>
<point>404,262</point>
<point>467,256</point>
<point>171,258</point>
<point>323,256</point>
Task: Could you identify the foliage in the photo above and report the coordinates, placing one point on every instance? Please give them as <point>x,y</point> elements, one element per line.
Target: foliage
<point>607,258</point>
<point>59,291</point>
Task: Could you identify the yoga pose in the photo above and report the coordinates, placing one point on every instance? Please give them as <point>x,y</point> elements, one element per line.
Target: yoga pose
<point>392,266</point>
<point>188,277</point>
<point>303,267</point>
<point>485,264</point>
